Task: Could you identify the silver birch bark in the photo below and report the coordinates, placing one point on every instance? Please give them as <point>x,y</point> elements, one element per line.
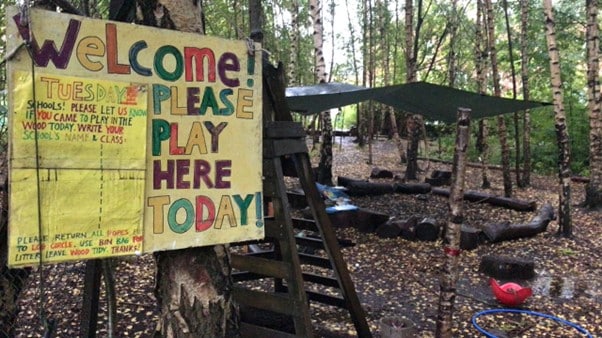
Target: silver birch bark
<point>481,54</point>
<point>593,191</point>
<point>325,165</point>
<point>194,280</point>
<point>562,134</point>
<point>497,92</point>
<point>449,278</point>
<point>524,9</point>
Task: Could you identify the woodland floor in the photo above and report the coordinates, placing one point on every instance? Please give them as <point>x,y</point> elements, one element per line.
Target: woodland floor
<point>393,277</point>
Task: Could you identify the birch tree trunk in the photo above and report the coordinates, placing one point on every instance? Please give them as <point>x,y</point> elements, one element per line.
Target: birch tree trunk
<point>481,52</point>
<point>497,92</point>
<point>325,166</point>
<point>409,42</point>
<point>358,111</point>
<point>451,56</point>
<point>292,67</point>
<point>593,191</point>
<point>562,134</point>
<point>413,122</point>
<point>370,74</point>
<point>193,286</point>
<point>447,284</point>
<point>524,51</point>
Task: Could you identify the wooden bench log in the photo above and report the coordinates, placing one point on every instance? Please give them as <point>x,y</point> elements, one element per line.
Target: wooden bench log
<point>428,230</point>
<point>497,232</point>
<point>398,227</point>
<point>381,173</point>
<point>344,181</point>
<point>412,188</point>
<point>362,188</point>
<point>439,178</point>
<point>481,197</point>
<point>507,268</point>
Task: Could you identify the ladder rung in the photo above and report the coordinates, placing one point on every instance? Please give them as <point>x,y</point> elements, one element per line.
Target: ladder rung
<point>315,260</point>
<point>262,266</point>
<point>277,148</point>
<point>325,299</point>
<point>284,129</point>
<point>253,331</point>
<point>279,303</point>
<point>322,280</point>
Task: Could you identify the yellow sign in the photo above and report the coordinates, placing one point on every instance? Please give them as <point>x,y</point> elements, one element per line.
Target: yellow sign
<point>132,139</point>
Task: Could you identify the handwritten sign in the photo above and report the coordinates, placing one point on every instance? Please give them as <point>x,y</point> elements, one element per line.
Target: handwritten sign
<point>127,139</point>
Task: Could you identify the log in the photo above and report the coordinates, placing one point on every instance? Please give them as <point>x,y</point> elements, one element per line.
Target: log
<point>470,237</point>
<point>506,267</point>
<point>439,178</point>
<point>381,173</point>
<point>395,227</point>
<point>344,181</point>
<point>428,230</point>
<point>497,232</point>
<point>500,201</point>
<point>369,220</point>
<point>359,188</point>
<point>412,188</point>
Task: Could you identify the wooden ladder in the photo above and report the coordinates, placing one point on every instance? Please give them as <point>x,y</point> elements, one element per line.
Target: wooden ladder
<point>284,146</point>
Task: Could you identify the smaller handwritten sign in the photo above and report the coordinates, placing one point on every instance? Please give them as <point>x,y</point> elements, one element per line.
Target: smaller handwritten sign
<point>91,145</point>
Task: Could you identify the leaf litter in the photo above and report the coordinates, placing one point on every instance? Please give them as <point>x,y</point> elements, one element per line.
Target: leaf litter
<point>392,277</point>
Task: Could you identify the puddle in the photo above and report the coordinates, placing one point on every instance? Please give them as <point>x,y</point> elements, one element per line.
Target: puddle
<point>565,287</point>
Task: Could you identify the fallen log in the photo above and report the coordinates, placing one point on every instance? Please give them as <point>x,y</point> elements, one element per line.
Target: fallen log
<point>497,232</point>
<point>369,220</point>
<point>381,173</point>
<point>507,267</point>
<point>500,201</point>
<point>428,230</point>
<point>439,178</point>
<point>363,188</point>
<point>398,227</point>
<point>360,188</point>
<point>344,181</point>
<point>412,188</point>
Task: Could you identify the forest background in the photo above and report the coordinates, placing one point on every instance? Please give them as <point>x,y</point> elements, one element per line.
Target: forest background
<point>364,45</point>
<point>367,50</point>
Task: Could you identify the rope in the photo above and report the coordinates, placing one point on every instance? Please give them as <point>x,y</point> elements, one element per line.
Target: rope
<point>26,17</point>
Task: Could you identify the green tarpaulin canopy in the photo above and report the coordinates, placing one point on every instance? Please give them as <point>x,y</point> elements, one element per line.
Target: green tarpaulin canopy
<point>434,102</point>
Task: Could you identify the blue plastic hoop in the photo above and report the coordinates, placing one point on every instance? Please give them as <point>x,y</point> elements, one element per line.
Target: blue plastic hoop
<point>531,313</point>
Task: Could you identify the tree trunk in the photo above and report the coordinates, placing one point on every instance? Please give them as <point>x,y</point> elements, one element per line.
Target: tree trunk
<point>358,121</point>
<point>411,76</point>
<point>387,71</point>
<point>292,68</point>
<point>193,286</point>
<point>414,123</point>
<point>526,177</point>
<point>517,147</point>
<point>451,56</point>
<point>325,165</point>
<point>562,135</point>
<point>481,53</point>
<point>447,284</point>
<point>409,42</point>
<point>193,291</point>
<point>593,190</point>
<point>497,92</point>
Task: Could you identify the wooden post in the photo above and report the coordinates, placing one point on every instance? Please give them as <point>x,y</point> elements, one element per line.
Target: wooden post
<point>447,285</point>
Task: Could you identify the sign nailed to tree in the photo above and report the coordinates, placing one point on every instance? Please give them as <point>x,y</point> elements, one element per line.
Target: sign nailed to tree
<point>128,139</point>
